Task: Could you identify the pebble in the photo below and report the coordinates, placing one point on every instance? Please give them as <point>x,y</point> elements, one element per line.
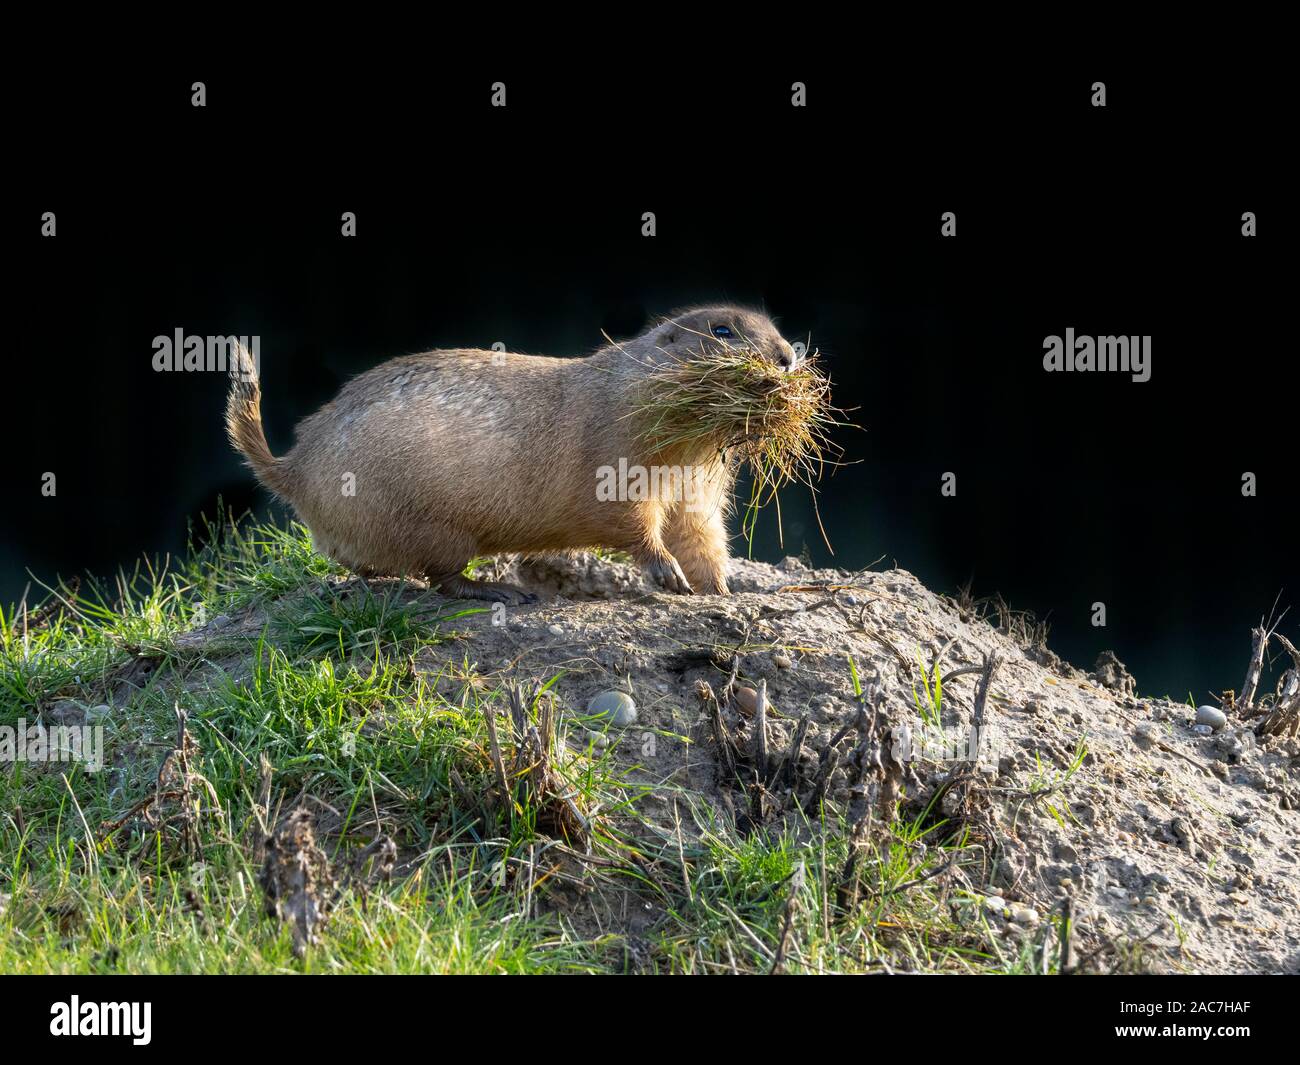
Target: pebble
<point>1212,716</point>
<point>597,739</point>
<point>1025,916</point>
<point>555,630</point>
<point>618,708</point>
<point>782,662</point>
<point>1146,734</point>
<point>1202,730</point>
<point>995,903</point>
<point>747,700</point>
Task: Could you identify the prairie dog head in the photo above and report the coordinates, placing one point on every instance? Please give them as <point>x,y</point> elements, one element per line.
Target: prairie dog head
<point>688,333</point>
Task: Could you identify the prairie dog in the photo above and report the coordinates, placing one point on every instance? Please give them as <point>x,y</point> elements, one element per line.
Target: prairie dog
<point>450,455</point>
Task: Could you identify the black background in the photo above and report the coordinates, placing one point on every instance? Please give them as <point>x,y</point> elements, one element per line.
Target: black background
<point>522,225</point>
<point>1094,1008</point>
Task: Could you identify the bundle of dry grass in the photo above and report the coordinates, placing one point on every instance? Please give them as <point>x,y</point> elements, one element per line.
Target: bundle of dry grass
<point>776,420</point>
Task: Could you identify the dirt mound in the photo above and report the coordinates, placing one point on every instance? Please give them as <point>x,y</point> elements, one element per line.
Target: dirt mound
<point>1179,846</point>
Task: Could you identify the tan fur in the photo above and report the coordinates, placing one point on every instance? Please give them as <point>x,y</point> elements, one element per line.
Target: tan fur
<point>463,453</point>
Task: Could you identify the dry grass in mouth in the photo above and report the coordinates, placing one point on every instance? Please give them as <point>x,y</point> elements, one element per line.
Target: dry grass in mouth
<point>777,420</point>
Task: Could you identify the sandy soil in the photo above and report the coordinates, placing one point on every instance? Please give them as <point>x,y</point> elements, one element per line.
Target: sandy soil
<point>1180,845</point>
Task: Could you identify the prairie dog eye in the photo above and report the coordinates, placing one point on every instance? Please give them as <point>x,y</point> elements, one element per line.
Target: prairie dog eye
<point>723,331</point>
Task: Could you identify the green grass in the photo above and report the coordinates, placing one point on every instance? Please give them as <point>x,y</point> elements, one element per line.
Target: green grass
<point>743,889</point>
<point>323,685</point>
<point>931,706</point>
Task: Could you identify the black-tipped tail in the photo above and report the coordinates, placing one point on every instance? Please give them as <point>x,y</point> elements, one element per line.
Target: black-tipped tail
<point>244,418</point>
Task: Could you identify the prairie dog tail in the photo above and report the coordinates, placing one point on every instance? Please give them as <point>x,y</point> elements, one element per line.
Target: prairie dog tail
<point>244,419</point>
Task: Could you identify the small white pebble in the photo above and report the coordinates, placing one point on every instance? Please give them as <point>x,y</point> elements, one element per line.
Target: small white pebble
<point>1026,916</point>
